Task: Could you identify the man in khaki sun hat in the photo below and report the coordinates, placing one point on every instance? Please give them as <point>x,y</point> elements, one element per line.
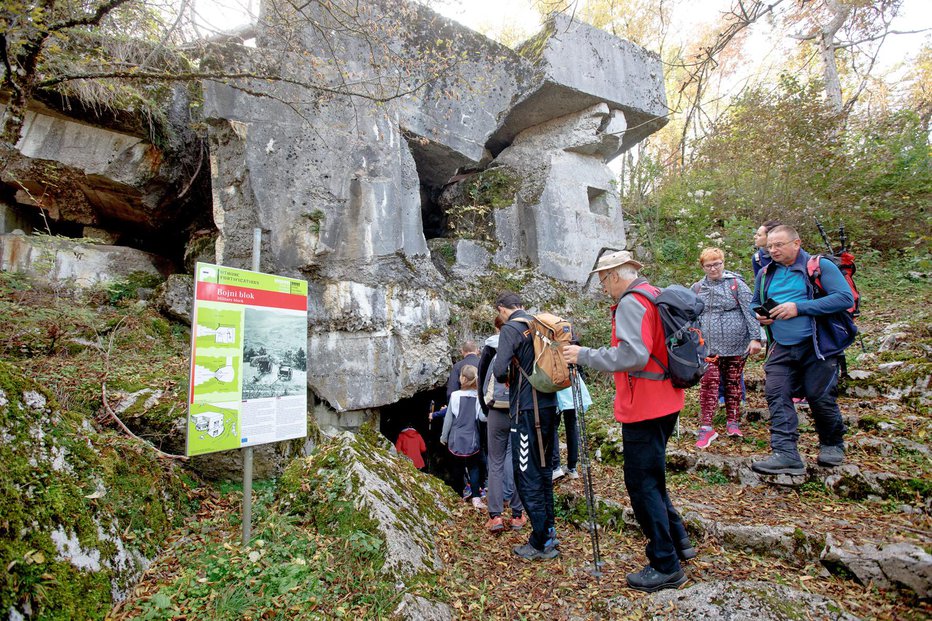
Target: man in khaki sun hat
<point>647,407</point>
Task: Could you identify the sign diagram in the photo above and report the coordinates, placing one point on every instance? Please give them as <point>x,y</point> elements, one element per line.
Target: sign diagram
<point>248,383</point>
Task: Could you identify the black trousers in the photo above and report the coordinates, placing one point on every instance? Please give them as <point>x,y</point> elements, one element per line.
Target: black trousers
<point>789,370</point>
<point>645,450</point>
<point>533,479</point>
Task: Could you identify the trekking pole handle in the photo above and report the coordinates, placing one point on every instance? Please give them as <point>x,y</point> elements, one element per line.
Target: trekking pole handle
<point>824,235</point>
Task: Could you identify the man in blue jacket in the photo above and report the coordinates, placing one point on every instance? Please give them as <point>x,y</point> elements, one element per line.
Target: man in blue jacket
<point>808,338</point>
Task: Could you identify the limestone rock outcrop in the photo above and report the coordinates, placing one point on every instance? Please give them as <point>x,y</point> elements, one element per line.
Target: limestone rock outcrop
<point>83,264</point>
<point>107,174</point>
<point>341,159</point>
<point>741,601</point>
<point>385,493</point>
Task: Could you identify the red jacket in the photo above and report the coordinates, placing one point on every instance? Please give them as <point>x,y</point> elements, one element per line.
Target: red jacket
<point>636,334</point>
<point>411,443</point>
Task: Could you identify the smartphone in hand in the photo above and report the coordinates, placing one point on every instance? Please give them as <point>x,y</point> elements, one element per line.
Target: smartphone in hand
<point>764,309</point>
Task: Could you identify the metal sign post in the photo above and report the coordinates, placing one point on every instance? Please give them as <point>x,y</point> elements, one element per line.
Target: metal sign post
<point>248,383</point>
<point>247,452</point>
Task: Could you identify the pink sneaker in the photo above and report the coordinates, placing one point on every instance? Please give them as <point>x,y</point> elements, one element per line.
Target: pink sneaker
<point>734,430</point>
<point>706,435</point>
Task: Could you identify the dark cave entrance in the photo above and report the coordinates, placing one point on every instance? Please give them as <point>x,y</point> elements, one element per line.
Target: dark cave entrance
<point>413,412</point>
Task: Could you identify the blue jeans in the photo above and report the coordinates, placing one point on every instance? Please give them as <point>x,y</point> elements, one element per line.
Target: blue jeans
<point>645,450</point>
<point>572,440</point>
<point>796,368</point>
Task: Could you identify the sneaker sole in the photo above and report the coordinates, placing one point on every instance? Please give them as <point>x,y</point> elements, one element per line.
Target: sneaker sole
<point>796,472</point>
<point>660,587</point>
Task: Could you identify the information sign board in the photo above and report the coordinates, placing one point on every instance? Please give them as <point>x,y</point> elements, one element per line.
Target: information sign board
<point>248,382</point>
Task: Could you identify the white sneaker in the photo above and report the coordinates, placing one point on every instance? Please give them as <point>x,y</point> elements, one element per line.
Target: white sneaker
<point>571,473</point>
<point>477,503</point>
<point>557,473</point>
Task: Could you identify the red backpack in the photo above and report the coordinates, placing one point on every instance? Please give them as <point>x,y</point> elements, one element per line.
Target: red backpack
<point>845,262</point>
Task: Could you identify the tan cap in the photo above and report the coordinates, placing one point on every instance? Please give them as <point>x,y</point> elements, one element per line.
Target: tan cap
<point>615,259</point>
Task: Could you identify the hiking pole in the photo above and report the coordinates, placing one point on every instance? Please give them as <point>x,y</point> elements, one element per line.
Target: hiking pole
<point>843,237</point>
<point>430,435</point>
<point>587,471</point>
<point>824,235</point>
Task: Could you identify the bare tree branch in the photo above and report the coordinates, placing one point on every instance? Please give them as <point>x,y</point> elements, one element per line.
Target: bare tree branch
<point>879,36</point>
<point>7,68</point>
<point>88,20</point>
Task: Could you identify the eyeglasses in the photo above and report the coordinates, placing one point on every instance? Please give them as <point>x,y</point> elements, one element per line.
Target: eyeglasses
<point>778,245</point>
<point>602,278</point>
<point>713,266</point>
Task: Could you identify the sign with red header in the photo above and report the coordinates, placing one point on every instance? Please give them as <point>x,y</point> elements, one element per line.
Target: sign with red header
<point>248,383</point>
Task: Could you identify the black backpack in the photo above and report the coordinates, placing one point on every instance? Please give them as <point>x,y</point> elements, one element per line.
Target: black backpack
<point>679,310</point>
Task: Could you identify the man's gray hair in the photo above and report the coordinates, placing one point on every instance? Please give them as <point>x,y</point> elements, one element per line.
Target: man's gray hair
<point>627,272</point>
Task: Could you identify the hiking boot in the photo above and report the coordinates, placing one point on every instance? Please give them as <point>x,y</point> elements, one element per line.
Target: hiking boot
<point>467,492</point>
<point>831,456</point>
<point>495,524</point>
<point>529,552</point>
<point>685,550</point>
<point>650,580</point>
<point>571,473</point>
<point>517,523</point>
<point>552,540</point>
<point>734,430</point>
<point>477,503</point>
<point>706,435</point>
<point>557,473</point>
<point>780,464</point>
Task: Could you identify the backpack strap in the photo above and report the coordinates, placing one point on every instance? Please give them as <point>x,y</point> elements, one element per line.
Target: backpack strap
<point>651,375</point>
<point>814,269</point>
<point>523,320</point>
<point>540,436</point>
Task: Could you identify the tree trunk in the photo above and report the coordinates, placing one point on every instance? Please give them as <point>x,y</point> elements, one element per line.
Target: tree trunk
<point>826,38</point>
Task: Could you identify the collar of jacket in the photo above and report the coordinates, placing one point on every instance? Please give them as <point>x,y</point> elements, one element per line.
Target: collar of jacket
<point>799,265</point>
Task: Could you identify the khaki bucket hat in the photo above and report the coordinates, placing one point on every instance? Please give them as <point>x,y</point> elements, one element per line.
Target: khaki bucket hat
<point>615,259</point>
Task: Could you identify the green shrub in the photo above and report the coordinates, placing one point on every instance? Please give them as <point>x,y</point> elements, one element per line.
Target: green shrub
<point>128,288</point>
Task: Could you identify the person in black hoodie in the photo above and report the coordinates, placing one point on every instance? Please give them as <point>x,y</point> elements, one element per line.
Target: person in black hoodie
<point>533,417</point>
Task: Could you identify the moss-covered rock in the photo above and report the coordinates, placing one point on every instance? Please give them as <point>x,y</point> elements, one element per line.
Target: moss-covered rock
<point>353,487</point>
<point>81,512</point>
